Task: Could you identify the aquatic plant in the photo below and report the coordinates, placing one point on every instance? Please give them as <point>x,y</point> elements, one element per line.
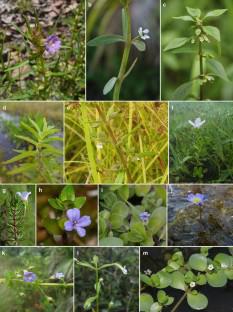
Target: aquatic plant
<point>40,161</point>
<point>126,38</point>
<point>132,215</point>
<point>199,43</point>
<point>187,276</point>
<point>93,302</point>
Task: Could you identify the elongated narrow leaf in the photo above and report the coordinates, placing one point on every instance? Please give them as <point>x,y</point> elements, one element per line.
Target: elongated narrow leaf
<point>185,18</point>
<point>23,168</point>
<point>17,66</point>
<point>131,68</point>
<point>215,13</point>
<point>176,43</point>
<point>213,32</point>
<point>23,155</point>
<point>29,140</point>
<point>193,12</point>
<point>217,69</point>
<point>183,91</point>
<point>139,44</point>
<point>105,40</point>
<point>109,85</point>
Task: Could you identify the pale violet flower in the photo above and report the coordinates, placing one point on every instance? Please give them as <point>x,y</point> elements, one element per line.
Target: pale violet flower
<point>58,275</point>
<point>76,222</point>
<point>23,195</point>
<point>197,122</point>
<point>143,34</point>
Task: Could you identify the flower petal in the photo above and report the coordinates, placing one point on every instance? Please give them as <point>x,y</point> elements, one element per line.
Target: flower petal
<point>81,231</point>
<point>68,226</point>
<point>73,214</point>
<point>84,221</point>
<point>191,123</point>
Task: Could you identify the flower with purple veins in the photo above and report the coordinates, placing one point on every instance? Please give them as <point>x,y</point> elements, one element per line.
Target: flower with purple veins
<point>29,276</point>
<point>144,216</point>
<point>52,45</point>
<point>23,195</point>
<point>76,222</point>
<point>196,199</point>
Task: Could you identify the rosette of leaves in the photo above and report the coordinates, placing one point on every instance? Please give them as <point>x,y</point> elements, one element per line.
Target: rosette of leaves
<point>203,43</point>
<point>119,220</point>
<point>189,276</point>
<point>55,226</point>
<point>38,159</point>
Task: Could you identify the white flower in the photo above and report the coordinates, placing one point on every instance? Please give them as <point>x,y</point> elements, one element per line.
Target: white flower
<point>124,270</point>
<point>192,284</point>
<point>210,267</point>
<point>197,122</point>
<point>148,272</point>
<point>23,195</point>
<point>143,34</point>
<point>224,266</point>
<point>99,145</point>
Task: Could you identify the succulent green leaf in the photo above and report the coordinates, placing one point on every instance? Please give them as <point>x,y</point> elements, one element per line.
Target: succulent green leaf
<point>197,301</point>
<point>216,279</point>
<point>139,44</point>
<point>119,212</point>
<point>109,85</point>
<point>157,220</point>
<point>226,261</point>
<point>198,262</point>
<point>146,302</point>
<point>178,280</point>
<point>123,192</point>
<point>156,307</point>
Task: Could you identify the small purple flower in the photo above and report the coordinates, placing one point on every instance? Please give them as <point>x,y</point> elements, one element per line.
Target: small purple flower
<point>76,222</point>
<point>52,44</point>
<point>58,275</point>
<point>196,199</point>
<point>144,216</point>
<point>23,195</point>
<point>29,276</point>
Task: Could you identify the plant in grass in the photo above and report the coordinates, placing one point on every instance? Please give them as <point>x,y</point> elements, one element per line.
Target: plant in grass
<point>199,43</point>
<point>116,143</point>
<point>188,277</point>
<point>115,83</point>
<point>40,161</point>
<point>132,215</point>
<point>67,221</point>
<point>93,302</point>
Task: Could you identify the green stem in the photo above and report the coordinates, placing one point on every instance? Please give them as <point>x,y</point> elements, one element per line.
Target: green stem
<point>124,61</point>
<point>97,292</point>
<point>201,70</point>
<point>3,280</point>
<point>179,302</point>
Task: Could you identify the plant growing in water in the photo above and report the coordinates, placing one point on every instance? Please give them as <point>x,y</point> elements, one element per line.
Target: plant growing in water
<point>97,268</point>
<point>40,162</point>
<point>199,43</point>
<point>187,276</point>
<point>138,42</point>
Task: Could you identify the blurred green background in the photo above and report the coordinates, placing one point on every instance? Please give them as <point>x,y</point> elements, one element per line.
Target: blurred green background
<point>179,68</point>
<point>104,17</point>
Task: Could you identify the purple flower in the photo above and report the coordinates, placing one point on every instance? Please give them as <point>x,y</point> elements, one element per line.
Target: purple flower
<point>196,199</point>
<point>29,276</point>
<point>144,216</point>
<point>76,222</point>
<point>23,195</point>
<point>52,45</point>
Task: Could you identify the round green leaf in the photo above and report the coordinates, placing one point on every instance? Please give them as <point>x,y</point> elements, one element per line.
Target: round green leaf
<point>142,190</point>
<point>119,212</point>
<point>111,241</point>
<point>224,260</point>
<point>146,302</point>
<point>156,307</point>
<point>164,279</point>
<point>178,281</point>
<point>216,279</point>
<point>197,301</point>
<point>198,262</point>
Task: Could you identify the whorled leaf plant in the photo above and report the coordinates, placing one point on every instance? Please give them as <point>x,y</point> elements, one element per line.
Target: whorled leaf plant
<point>200,44</point>
<point>138,42</point>
<point>187,276</point>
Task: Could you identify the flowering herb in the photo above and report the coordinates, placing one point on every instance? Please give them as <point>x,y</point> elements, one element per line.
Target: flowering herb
<point>29,276</point>
<point>52,45</point>
<point>76,222</point>
<point>24,195</point>
<point>197,123</point>
<point>196,199</point>
<point>144,216</point>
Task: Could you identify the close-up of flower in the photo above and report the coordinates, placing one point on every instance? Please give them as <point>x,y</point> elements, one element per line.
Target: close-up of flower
<point>144,216</point>
<point>76,222</point>
<point>52,45</point>
<point>143,33</point>
<point>58,275</point>
<point>29,276</point>
<point>196,199</point>
<point>197,123</point>
<point>24,195</point>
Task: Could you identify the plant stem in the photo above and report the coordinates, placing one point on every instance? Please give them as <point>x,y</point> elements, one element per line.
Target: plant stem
<point>124,61</point>
<point>201,70</point>
<point>97,289</point>
<point>179,302</point>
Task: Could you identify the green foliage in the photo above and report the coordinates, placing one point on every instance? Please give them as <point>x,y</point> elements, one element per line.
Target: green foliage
<point>16,216</point>
<point>39,162</point>
<point>201,154</point>
<point>188,276</point>
<point>119,219</point>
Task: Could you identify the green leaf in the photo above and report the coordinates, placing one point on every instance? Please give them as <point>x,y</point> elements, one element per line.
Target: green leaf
<point>185,18</point>
<point>178,280</point>
<point>23,168</point>
<point>229,274</point>
<point>21,156</point>
<point>88,303</point>
<point>105,40</point>
<point>109,85</point>
<point>157,220</point>
<point>224,260</point>
<point>176,43</point>
<point>55,204</point>
<point>213,32</point>
<point>67,193</point>
<point>119,212</point>
<point>198,262</point>
<point>124,17</point>
<point>193,12</point>
<point>217,69</point>
<point>142,190</point>
<point>146,302</point>
<point>162,297</point>
<point>201,279</point>
<point>146,279</point>
<point>139,44</point>
<point>111,241</point>
<point>123,192</point>
<point>137,233</point>
<point>197,301</point>
<point>52,226</point>
<point>216,279</point>
<point>79,201</point>
<point>215,13</point>
<point>183,91</point>
<point>156,307</point>
<point>165,279</point>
